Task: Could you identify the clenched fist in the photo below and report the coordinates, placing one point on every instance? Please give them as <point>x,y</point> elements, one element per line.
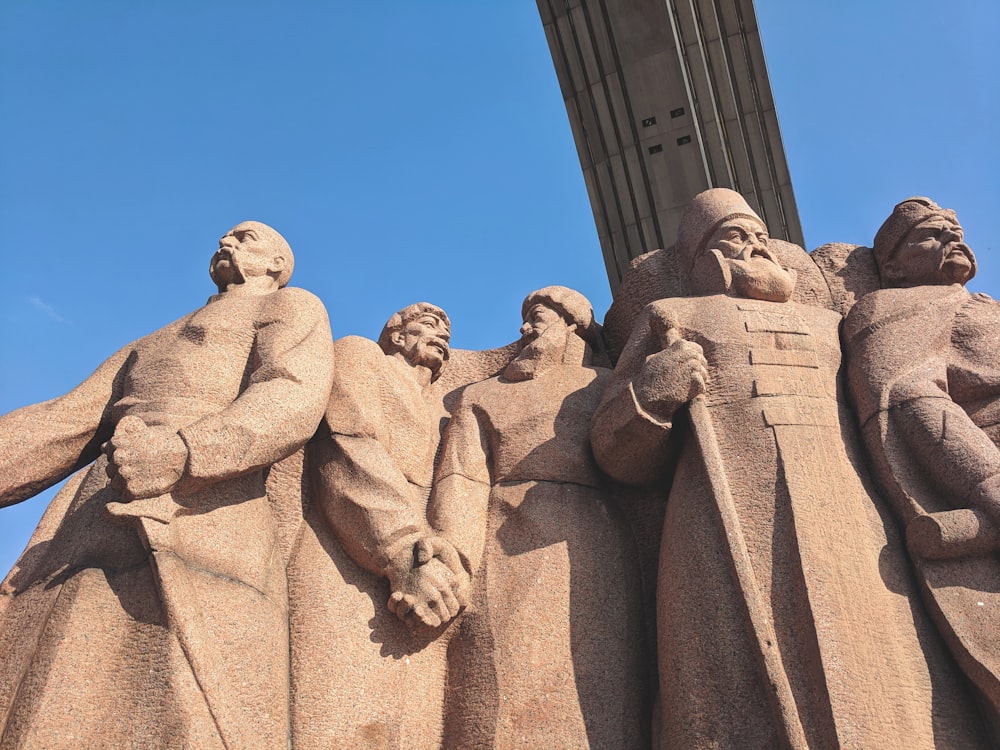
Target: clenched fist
<point>673,376</point>
<point>144,461</point>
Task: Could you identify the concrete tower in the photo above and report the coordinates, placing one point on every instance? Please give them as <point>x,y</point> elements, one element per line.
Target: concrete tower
<point>667,98</point>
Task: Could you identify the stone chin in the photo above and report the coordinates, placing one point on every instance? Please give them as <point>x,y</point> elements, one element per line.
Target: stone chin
<point>431,358</point>
<point>538,352</point>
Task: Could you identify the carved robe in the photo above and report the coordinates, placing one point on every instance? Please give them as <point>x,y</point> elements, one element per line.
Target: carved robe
<point>549,653</point>
<point>360,677</point>
<point>108,645</point>
<point>924,368</point>
<point>863,663</point>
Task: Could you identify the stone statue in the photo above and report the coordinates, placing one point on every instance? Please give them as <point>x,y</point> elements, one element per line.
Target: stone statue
<point>549,652</point>
<point>150,609</point>
<point>924,366</point>
<point>361,677</point>
<point>776,558</point>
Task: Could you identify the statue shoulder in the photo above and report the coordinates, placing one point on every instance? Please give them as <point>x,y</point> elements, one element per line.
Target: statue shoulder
<point>357,351</point>
<point>930,305</point>
<point>292,302</point>
<point>475,394</point>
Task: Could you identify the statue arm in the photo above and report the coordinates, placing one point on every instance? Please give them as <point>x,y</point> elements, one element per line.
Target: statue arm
<point>361,490</point>
<point>898,346</point>
<point>289,384</point>
<point>632,431</point>
<point>460,501</point>
<point>956,455</point>
<point>44,443</point>
<point>367,501</point>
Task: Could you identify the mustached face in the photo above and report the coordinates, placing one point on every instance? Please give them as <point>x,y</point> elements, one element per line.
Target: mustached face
<point>244,252</point>
<point>423,341</point>
<point>741,238</point>
<point>538,319</point>
<point>933,253</point>
<point>748,267</point>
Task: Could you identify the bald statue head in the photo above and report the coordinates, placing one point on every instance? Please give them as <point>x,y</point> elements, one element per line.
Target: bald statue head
<point>722,246</point>
<point>254,253</point>
<point>921,244</point>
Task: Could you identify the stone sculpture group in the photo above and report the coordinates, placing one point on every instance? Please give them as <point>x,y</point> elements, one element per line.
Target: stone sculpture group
<point>758,508</point>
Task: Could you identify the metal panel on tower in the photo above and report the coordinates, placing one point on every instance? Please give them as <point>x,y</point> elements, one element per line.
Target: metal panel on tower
<point>666,99</point>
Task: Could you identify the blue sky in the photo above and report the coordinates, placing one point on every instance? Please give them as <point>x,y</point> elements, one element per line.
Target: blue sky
<point>408,151</point>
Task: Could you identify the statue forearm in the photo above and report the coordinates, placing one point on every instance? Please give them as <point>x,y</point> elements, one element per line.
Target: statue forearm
<point>959,458</point>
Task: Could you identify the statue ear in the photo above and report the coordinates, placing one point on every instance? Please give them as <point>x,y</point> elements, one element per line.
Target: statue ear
<point>277,264</point>
<point>890,273</point>
<point>397,337</point>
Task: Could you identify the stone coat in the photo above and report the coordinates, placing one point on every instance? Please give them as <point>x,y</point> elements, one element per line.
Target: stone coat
<point>549,653</point>
<point>360,677</point>
<point>863,663</point>
<point>96,657</point>
<point>924,367</point>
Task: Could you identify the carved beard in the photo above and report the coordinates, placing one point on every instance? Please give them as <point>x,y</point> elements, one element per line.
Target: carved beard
<point>761,278</point>
<point>426,355</point>
<point>538,354</point>
<point>953,272</point>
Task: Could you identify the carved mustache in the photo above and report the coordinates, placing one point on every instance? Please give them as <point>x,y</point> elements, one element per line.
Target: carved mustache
<point>958,247</point>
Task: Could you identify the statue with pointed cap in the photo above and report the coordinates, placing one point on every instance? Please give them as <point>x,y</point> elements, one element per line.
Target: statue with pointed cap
<point>150,607</point>
<point>776,557</point>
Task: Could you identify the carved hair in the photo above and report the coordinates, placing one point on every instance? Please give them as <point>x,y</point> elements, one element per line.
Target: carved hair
<point>404,316</point>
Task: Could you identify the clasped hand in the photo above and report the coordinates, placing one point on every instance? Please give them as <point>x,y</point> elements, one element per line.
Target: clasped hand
<point>430,586</point>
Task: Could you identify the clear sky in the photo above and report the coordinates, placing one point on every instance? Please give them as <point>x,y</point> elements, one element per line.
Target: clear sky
<point>408,151</point>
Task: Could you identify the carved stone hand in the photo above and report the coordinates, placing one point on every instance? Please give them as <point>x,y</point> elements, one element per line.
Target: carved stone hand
<point>671,378</point>
<point>144,461</point>
<point>425,595</point>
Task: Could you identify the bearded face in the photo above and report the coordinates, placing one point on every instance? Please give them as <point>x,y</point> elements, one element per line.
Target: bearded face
<point>544,338</point>
<point>743,264</point>
<point>423,342</point>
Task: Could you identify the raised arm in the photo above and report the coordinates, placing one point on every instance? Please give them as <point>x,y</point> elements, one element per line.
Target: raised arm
<point>44,443</point>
